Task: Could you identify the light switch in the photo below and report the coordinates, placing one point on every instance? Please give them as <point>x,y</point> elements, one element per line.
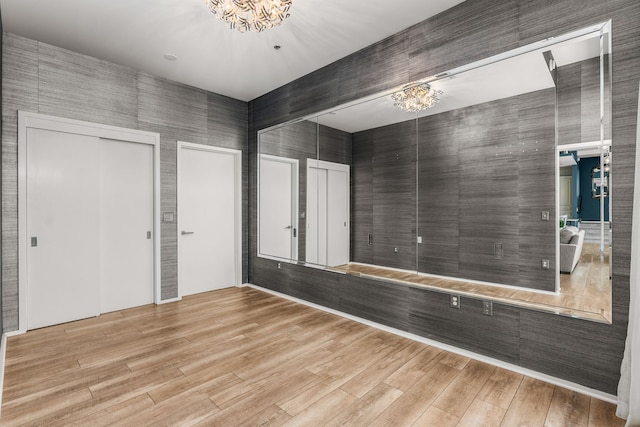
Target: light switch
<point>167,217</point>
<point>545,215</point>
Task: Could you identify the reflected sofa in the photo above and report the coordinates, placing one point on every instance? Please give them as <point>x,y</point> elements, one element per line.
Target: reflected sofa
<point>571,241</point>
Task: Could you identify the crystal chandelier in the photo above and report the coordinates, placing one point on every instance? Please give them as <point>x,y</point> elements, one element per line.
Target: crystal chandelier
<point>416,98</point>
<point>250,15</point>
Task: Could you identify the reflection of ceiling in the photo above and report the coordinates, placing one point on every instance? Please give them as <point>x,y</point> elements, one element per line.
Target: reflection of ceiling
<point>137,33</point>
<point>510,77</point>
<point>567,161</point>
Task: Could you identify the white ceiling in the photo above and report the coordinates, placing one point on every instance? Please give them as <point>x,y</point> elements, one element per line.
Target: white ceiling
<point>138,33</point>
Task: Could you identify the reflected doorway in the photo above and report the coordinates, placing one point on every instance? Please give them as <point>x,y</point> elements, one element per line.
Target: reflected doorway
<point>328,198</point>
<point>278,207</point>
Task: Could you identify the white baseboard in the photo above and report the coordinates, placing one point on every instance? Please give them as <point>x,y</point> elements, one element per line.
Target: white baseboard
<point>482,358</point>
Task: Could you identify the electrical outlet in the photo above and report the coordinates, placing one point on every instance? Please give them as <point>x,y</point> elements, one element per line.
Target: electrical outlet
<point>279,266</point>
<point>498,250</point>
<point>455,301</point>
<point>487,308</point>
<point>545,264</point>
<point>395,250</point>
<point>419,239</point>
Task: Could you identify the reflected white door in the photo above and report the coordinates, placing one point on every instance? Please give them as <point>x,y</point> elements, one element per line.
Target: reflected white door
<point>337,218</point>
<point>327,213</point>
<point>63,227</point>
<point>209,217</point>
<point>126,225</point>
<point>565,196</point>
<point>316,243</point>
<point>278,207</point>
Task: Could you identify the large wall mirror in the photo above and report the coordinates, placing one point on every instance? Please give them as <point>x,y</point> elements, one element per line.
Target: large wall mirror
<point>496,174</point>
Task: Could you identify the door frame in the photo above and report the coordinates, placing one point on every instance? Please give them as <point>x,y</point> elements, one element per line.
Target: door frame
<point>237,156</point>
<point>60,124</point>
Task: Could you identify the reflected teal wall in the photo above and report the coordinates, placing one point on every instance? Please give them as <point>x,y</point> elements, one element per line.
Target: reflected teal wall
<point>575,182</point>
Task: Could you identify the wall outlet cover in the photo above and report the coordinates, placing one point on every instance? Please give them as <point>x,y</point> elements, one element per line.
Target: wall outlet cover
<point>455,301</point>
<point>487,308</point>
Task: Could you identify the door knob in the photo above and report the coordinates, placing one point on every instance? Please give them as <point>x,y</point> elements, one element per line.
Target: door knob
<point>184,233</point>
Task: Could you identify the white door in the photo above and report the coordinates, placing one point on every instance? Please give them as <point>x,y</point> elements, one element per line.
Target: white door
<point>209,217</point>
<point>63,228</point>
<point>126,225</point>
<point>278,206</point>
<point>337,218</point>
<point>316,242</point>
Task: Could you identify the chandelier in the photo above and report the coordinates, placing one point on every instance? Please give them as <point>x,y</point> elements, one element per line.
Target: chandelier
<point>250,15</point>
<point>416,98</point>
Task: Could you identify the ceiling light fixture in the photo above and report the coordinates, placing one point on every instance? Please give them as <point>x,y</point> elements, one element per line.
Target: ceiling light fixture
<point>416,98</point>
<point>250,15</point>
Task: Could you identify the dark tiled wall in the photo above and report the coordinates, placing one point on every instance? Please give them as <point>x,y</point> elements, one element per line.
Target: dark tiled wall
<point>45,79</point>
<point>584,352</point>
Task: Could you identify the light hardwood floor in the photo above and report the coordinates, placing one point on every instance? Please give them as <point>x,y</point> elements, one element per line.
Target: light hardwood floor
<point>240,356</point>
<point>585,293</point>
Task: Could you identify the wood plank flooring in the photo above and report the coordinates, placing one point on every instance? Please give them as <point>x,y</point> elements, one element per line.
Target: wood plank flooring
<point>586,293</point>
<point>242,357</point>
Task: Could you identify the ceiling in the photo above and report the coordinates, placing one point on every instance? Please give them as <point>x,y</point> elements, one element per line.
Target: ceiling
<point>210,56</point>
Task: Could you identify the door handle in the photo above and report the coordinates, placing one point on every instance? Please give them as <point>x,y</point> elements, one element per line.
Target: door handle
<point>184,233</point>
<point>288,227</point>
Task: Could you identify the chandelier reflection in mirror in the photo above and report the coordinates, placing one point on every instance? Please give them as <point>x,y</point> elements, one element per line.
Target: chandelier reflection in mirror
<point>416,98</point>
<point>250,15</point>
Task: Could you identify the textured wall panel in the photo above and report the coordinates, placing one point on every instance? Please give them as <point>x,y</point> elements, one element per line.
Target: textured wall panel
<point>362,198</point>
<point>496,336</point>
<point>376,301</point>
<point>19,92</point>
<point>439,194</point>
<point>582,352</point>
<point>394,195</point>
<point>80,87</point>
<point>536,174</point>
<point>306,284</point>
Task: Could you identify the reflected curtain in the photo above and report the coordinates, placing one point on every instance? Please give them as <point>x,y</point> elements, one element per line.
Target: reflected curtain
<point>629,386</point>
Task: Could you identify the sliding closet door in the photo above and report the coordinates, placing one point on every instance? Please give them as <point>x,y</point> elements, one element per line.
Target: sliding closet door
<point>89,226</point>
<point>126,225</point>
<point>62,227</point>
<point>316,216</point>
<point>328,194</point>
<point>337,217</point>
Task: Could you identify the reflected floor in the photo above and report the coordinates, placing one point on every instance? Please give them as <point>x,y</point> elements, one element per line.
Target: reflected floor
<point>586,293</point>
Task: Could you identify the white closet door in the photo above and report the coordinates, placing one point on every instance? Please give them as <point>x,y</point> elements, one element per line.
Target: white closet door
<point>316,216</point>
<point>126,225</point>
<point>62,227</point>
<point>207,219</point>
<point>337,245</point>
